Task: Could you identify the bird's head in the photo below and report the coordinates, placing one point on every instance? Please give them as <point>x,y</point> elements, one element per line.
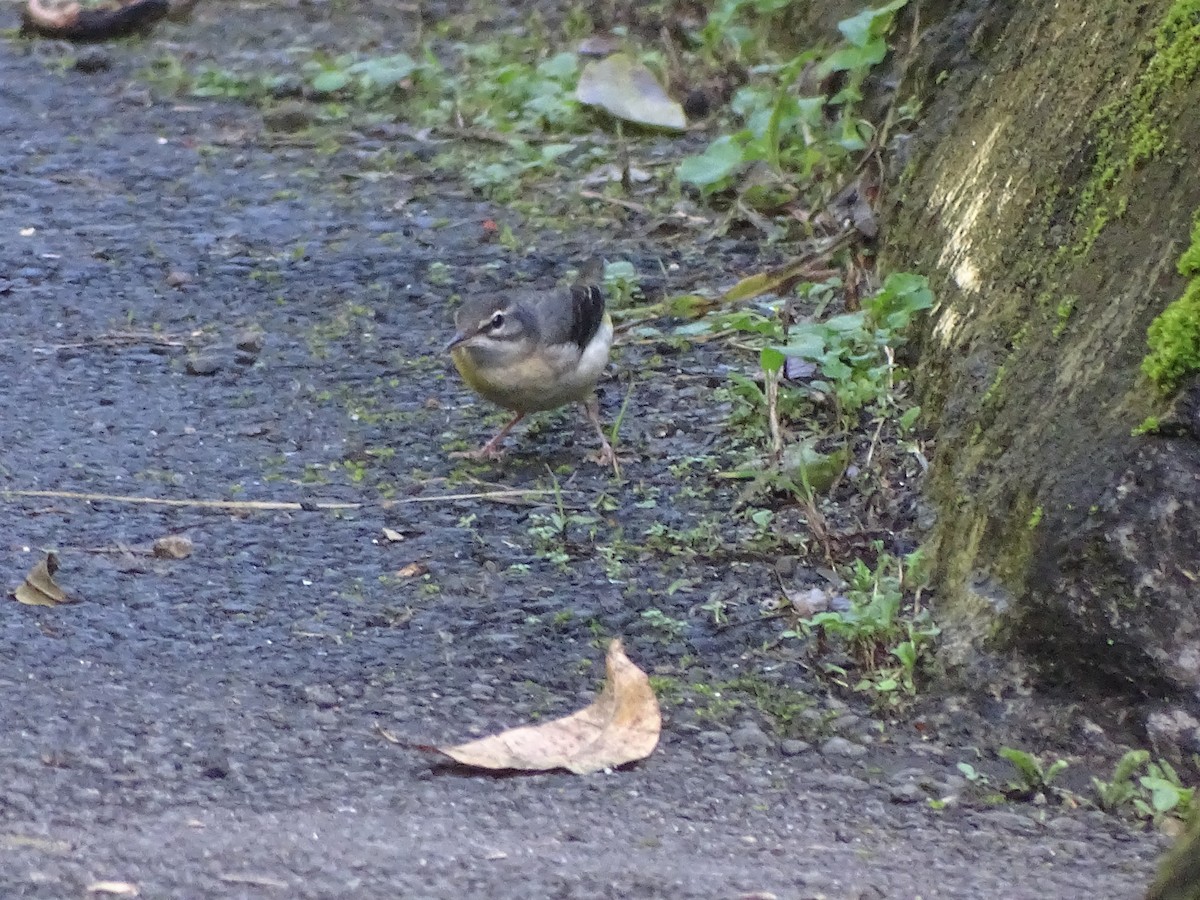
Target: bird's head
<point>493,329</point>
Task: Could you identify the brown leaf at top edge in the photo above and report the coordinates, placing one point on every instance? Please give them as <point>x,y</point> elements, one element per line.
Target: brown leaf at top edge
<point>74,23</point>
<point>621,726</point>
<point>39,587</point>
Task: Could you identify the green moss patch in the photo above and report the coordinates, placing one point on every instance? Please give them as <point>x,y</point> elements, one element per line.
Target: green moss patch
<point>1131,128</point>
<point>1174,336</point>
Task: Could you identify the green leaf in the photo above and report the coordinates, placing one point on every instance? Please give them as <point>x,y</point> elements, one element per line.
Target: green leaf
<point>561,67</point>
<point>771,359</point>
<point>969,772</point>
<point>1164,796</point>
<point>330,81</point>
<point>849,59</point>
<point>1056,768</point>
<point>385,71</point>
<point>722,158</point>
<point>1130,763</point>
<point>870,23</point>
<point>1025,763</point>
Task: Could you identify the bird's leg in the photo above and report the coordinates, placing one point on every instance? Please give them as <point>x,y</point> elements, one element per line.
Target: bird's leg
<point>605,457</point>
<point>490,450</point>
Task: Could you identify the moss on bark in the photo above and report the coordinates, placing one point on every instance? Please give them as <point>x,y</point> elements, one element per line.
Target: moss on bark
<point>1049,215</point>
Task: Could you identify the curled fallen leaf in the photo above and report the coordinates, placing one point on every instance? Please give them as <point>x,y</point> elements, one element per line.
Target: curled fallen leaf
<point>412,570</point>
<point>621,726</point>
<point>39,587</point>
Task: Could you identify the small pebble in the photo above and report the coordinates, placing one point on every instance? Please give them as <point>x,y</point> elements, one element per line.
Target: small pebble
<point>839,746</point>
<point>320,694</point>
<point>794,747</point>
<point>289,117</point>
<point>716,740</point>
<point>250,340</point>
<point>846,783</point>
<point>909,792</point>
<point>750,737</point>
<point>203,365</point>
<point>93,59</point>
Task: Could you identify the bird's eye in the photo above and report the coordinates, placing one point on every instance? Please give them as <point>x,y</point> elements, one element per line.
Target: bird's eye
<point>497,321</point>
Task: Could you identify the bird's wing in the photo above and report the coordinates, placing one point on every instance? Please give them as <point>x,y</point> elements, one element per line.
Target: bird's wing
<point>587,312</point>
<point>575,315</point>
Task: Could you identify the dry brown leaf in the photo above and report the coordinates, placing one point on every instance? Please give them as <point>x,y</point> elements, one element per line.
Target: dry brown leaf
<point>412,570</point>
<point>621,726</point>
<point>39,587</point>
<point>173,546</point>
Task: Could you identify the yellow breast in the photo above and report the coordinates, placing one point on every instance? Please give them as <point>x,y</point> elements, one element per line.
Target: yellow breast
<point>543,379</point>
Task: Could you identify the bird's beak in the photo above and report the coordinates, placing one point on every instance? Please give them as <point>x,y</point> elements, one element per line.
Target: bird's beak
<point>456,340</point>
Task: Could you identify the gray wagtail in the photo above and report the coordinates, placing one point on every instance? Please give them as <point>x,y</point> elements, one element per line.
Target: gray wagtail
<point>531,351</point>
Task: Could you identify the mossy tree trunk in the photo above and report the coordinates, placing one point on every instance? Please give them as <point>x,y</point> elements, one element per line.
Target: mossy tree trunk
<point>1051,210</point>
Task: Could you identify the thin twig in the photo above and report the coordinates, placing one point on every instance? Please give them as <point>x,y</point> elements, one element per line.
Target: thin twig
<point>616,201</point>
<point>772,391</point>
<point>501,496</point>
<point>116,339</point>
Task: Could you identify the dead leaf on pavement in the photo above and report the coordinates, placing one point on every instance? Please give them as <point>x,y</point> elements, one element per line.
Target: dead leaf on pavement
<point>173,546</point>
<point>621,726</point>
<point>624,87</point>
<point>39,587</point>
<point>412,570</point>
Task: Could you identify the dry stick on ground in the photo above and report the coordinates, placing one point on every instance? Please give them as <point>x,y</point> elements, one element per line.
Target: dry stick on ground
<point>116,339</point>
<point>503,496</point>
<point>616,201</point>
<point>772,379</point>
<point>891,369</point>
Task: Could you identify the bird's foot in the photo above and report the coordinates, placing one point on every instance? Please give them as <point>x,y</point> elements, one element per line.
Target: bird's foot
<point>489,452</point>
<point>610,459</point>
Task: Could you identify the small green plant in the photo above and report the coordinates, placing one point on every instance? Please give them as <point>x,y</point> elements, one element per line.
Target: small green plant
<point>1034,778</point>
<point>667,626</point>
<point>621,282</point>
<point>438,273</point>
<point>1163,793</point>
<point>982,784</point>
<point>551,532</point>
<point>1120,791</point>
<point>790,135</point>
<point>364,80</point>
<point>1156,793</point>
<point>1148,425</point>
<point>853,351</point>
<point>888,641</point>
